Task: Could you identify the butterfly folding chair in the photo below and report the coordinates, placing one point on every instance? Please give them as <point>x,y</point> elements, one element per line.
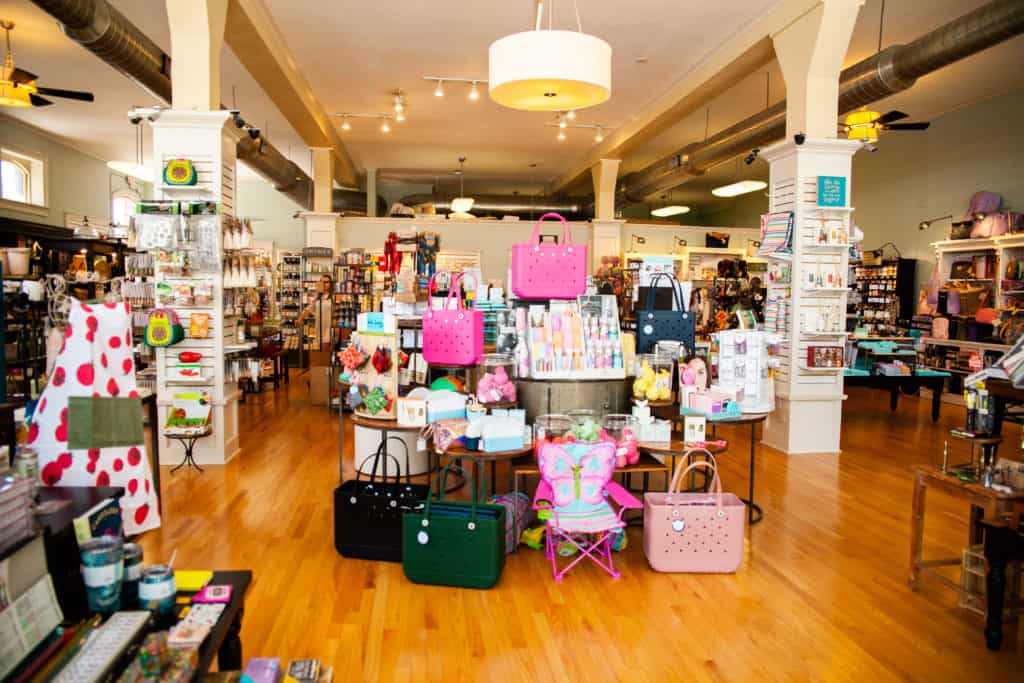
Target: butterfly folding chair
<point>576,483</point>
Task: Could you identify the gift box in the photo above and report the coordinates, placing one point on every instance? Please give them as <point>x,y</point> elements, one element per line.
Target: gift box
<point>501,434</point>
<point>412,412</point>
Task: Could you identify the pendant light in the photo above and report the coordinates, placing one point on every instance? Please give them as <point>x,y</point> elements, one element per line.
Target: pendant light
<point>474,93</point>
<point>462,203</point>
<point>439,90</point>
<point>549,70</point>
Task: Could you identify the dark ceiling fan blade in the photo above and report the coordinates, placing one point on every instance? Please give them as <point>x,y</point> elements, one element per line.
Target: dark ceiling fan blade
<point>68,94</point>
<point>22,76</point>
<point>891,116</point>
<point>38,101</point>
<point>907,126</point>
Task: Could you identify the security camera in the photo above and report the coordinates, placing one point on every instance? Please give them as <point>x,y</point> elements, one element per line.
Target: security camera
<point>799,138</point>
<point>254,133</point>
<point>135,119</point>
<point>750,158</point>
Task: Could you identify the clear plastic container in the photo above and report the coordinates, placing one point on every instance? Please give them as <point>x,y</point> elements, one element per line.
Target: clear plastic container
<point>653,381</point>
<point>496,383</point>
<point>586,424</point>
<point>551,426</point>
<point>615,425</point>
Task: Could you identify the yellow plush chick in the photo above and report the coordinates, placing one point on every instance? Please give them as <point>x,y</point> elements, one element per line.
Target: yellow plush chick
<point>639,387</point>
<point>652,393</point>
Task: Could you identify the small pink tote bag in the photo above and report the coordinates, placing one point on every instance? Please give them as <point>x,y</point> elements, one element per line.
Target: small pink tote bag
<point>694,532</point>
<point>452,336</point>
<point>549,271</point>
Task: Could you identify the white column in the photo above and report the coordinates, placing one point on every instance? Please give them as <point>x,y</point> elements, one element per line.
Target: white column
<point>321,229</point>
<point>808,413</point>
<point>371,192</point>
<point>607,231</point>
<point>197,37</point>
<point>323,179</point>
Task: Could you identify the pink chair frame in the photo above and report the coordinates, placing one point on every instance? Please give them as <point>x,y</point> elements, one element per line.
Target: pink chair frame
<point>599,551</point>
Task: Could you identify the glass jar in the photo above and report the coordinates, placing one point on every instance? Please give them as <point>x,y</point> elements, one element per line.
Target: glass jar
<point>495,384</point>
<point>554,426</point>
<point>653,381</point>
<point>586,426</point>
<point>615,425</point>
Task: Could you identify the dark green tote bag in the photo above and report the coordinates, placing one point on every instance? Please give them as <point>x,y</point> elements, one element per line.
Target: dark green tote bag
<point>453,542</point>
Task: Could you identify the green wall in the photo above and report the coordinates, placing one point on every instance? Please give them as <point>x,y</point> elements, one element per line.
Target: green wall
<point>76,182</point>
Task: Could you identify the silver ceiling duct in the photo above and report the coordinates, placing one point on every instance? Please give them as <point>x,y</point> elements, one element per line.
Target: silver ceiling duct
<point>894,69</point>
<point>512,205</point>
<point>110,36</point>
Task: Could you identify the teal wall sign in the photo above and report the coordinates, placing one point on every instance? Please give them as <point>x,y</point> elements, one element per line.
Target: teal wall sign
<point>831,190</point>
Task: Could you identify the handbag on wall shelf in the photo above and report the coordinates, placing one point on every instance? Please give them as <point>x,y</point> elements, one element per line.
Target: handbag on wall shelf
<point>654,326</point>
<point>452,336</point>
<point>549,271</point>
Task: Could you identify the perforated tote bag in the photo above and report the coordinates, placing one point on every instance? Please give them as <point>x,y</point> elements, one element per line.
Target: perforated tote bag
<point>452,336</point>
<point>549,271</point>
<point>694,532</point>
<point>654,326</point>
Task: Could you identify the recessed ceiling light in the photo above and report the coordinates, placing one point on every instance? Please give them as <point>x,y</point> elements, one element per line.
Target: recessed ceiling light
<point>742,187</point>
<point>673,210</point>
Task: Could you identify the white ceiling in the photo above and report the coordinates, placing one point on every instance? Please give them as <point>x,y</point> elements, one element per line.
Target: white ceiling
<point>355,53</point>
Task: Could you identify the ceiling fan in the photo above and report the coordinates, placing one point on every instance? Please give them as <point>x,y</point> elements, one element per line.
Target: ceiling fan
<point>864,125</point>
<point>18,87</point>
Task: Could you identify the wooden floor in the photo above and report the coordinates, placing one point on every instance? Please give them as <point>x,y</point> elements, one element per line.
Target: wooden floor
<point>822,594</point>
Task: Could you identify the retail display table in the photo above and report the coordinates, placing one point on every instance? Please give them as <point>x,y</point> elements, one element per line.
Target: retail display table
<point>482,459</point>
<point>225,640</point>
<point>1004,543</point>
<point>676,449</point>
<point>986,503</point>
<point>935,380</point>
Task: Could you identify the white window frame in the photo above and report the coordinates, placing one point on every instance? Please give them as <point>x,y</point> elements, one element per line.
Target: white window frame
<point>122,193</point>
<point>36,166</point>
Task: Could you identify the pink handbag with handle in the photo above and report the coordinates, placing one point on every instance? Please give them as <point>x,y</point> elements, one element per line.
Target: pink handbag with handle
<point>549,271</point>
<point>694,532</point>
<point>452,336</point>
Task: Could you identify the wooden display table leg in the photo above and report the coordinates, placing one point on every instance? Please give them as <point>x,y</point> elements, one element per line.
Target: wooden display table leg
<point>917,529</point>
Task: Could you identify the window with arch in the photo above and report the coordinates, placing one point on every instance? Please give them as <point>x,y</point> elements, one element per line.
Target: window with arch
<point>21,178</point>
<point>122,207</point>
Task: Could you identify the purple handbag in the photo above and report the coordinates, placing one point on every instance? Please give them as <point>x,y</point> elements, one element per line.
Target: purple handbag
<point>452,336</point>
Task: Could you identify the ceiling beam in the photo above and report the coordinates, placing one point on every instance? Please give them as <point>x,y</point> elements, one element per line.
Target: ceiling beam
<point>747,51</point>
<point>256,41</point>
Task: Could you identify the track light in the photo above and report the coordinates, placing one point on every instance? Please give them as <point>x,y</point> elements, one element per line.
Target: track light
<point>571,115</point>
<point>439,90</point>
<point>399,106</point>
<point>561,135</point>
<point>474,94</point>
<point>600,136</point>
<point>400,116</point>
<point>345,125</point>
<point>385,127</point>
<point>561,122</point>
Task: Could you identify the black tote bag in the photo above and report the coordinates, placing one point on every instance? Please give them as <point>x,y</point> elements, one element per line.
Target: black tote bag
<point>368,513</point>
<point>654,326</point>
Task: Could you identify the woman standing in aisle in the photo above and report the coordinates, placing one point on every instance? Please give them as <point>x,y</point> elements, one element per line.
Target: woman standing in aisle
<point>322,308</point>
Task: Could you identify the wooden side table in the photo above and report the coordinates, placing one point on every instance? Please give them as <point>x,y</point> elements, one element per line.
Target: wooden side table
<point>1004,543</point>
<point>986,503</point>
<point>482,459</point>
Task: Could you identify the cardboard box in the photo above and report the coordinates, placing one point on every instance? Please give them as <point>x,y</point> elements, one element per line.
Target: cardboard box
<point>319,385</point>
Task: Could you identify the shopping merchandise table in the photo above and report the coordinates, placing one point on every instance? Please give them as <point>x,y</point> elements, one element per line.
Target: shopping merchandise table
<point>383,426</point>
<point>752,419</point>
<point>935,380</point>
<point>675,449</point>
<point>986,503</point>
<point>1004,543</point>
<point>225,640</point>
<point>482,459</point>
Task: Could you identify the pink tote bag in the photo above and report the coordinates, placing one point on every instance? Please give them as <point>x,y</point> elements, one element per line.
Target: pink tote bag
<point>694,532</point>
<point>549,271</point>
<point>452,336</point>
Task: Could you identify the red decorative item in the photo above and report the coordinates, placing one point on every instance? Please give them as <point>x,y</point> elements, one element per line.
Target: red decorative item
<point>392,261</point>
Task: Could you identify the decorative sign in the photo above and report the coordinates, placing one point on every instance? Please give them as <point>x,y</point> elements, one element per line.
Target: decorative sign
<point>831,190</point>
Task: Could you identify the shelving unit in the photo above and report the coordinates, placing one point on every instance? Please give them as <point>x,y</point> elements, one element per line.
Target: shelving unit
<point>289,302</point>
<point>886,295</point>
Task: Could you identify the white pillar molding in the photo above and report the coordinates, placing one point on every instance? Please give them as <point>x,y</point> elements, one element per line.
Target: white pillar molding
<point>197,37</point>
<point>809,402</point>
<point>604,175</point>
<point>323,179</point>
<point>321,229</point>
<point>606,240</point>
<point>811,51</point>
<point>371,193</point>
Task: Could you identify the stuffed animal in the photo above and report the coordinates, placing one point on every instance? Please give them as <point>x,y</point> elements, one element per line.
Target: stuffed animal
<point>496,387</point>
<point>653,386</point>
<point>627,450</point>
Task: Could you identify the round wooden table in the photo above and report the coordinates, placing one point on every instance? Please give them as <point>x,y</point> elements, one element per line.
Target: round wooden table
<point>480,461</point>
<point>677,448</point>
<point>752,419</point>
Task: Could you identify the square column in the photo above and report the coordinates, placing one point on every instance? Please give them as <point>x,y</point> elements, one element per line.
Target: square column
<point>808,414</point>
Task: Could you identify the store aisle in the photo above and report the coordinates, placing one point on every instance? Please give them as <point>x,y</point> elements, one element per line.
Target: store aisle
<point>822,593</point>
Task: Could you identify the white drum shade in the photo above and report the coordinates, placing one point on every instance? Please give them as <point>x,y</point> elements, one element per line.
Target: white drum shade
<point>550,70</point>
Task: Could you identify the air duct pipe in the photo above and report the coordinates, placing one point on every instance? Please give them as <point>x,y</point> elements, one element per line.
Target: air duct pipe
<point>512,205</point>
<point>105,32</point>
<point>892,70</point>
